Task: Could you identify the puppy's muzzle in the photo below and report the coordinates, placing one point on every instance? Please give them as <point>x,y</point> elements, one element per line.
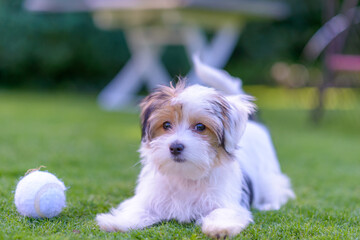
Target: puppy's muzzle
<point>176,148</point>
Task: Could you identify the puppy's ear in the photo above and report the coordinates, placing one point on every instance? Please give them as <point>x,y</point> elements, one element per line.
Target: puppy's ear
<point>147,107</point>
<point>235,113</point>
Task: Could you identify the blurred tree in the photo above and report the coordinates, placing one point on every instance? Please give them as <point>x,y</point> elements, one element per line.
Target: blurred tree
<point>263,43</point>
<point>49,51</point>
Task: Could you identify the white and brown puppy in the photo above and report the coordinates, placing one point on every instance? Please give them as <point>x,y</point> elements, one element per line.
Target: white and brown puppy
<point>202,160</point>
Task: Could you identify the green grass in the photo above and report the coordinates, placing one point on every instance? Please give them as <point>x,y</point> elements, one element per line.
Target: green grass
<point>95,154</point>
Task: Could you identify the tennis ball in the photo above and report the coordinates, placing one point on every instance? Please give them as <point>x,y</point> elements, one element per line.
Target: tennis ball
<point>40,195</point>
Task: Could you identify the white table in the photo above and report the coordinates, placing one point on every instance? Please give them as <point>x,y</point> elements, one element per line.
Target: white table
<point>150,25</point>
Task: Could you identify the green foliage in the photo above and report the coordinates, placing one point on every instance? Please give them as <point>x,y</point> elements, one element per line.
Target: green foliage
<point>56,50</point>
<point>94,153</point>
<point>264,42</point>
<point>48,51</point>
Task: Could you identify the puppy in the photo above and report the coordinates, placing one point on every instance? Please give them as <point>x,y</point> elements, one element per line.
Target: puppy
<point>202,160</point>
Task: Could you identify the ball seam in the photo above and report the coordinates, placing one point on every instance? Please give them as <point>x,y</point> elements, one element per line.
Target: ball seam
<point>41,191</point>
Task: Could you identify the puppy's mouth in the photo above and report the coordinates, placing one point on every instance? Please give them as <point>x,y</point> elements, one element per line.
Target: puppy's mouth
<point>178,159</point>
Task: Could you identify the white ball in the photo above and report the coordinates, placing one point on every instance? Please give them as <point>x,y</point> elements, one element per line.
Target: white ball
<point>40,195</point>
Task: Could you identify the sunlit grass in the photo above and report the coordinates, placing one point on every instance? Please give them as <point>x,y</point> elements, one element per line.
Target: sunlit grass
<point>304,98</point>
<point>94,153</point>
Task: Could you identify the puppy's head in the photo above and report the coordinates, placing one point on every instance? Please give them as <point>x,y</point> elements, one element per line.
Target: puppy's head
<point>188,131</point>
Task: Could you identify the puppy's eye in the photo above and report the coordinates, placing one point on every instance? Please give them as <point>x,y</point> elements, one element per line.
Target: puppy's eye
<point>200,127</point>
<point>167,125</point>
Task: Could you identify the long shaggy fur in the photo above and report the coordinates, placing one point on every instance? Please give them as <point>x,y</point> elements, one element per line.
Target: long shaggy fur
<point>202,160</point>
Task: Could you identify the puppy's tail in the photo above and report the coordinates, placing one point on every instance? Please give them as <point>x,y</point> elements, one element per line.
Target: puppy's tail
<point>217,78</point>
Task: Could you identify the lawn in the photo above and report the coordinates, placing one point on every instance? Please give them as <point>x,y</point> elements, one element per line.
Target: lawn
<point>95,153</point>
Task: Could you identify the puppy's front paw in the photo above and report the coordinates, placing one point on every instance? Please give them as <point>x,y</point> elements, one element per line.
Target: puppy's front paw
<point>109,223</point>
<point>221,231</point>
<point>222,223</point>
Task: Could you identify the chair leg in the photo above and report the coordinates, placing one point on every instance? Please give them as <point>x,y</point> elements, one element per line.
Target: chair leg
<point>318,112</point>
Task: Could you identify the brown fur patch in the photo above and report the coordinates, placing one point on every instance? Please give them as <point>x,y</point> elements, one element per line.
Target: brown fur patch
<point>169,113</point>
<point>159,102</point>
<point>213,134</point>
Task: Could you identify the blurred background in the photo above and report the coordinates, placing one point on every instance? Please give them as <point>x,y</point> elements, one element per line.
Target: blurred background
<point>67,51</point>
<point>71,46</point>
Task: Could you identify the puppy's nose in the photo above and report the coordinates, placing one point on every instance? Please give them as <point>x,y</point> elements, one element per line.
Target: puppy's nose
<point>176,148</point>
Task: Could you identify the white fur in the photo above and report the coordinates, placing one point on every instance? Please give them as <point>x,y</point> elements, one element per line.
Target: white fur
<point>272,188</point>
<point>215,78</point>
<point>198,188</point>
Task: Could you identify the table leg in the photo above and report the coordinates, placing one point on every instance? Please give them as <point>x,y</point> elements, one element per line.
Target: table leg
<point>145,63</point>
